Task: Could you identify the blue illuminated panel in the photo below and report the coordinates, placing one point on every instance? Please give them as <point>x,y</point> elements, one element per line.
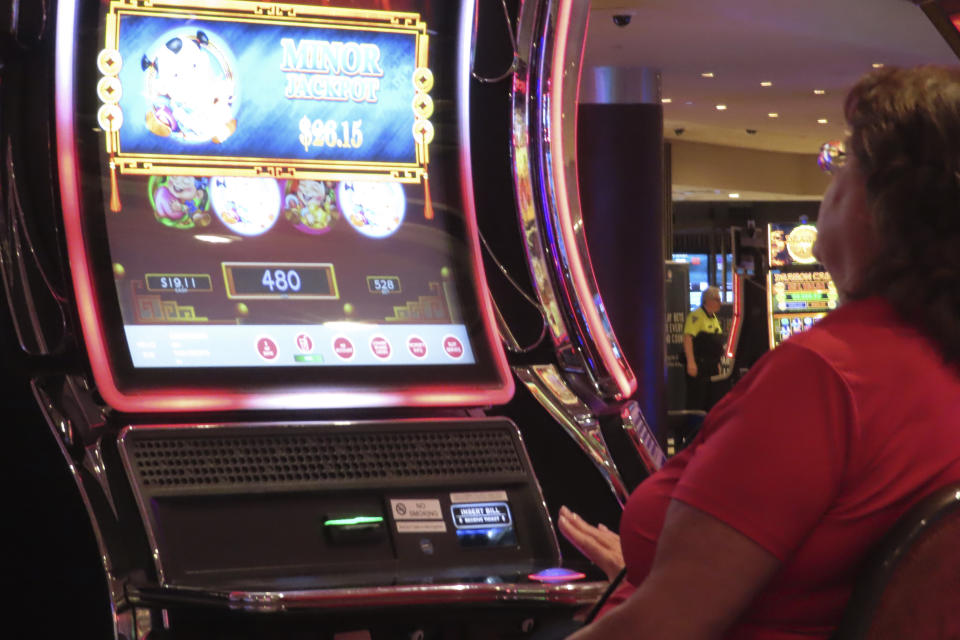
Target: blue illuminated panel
<point>484,524</point>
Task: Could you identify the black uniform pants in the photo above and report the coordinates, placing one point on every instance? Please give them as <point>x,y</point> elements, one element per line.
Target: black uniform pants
<point>702,394</point>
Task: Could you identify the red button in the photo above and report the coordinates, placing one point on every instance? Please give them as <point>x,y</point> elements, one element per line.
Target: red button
<point>417,347</point>
<point>267,348</point>
<point>304,343</point>
<point>380,347</point>
<point>453,347</point>
<point>343,348</point>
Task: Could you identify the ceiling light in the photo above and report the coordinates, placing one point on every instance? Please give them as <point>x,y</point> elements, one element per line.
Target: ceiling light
<point>877,65</point>
<point>773,115</point>
<point>688,102</point>
<point>766,83</point>
<point>721,107</point>
<point>734,195</point>
<point>707,74</point>
<point>819,92</point>
<point>666,100</point>
<point>821,121</point>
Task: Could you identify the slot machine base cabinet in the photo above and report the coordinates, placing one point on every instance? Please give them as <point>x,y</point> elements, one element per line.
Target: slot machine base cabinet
<point>415,528</point>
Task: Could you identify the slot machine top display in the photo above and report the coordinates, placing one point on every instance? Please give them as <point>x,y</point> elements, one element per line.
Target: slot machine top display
<point>799,291</point>
<point>271,206</point>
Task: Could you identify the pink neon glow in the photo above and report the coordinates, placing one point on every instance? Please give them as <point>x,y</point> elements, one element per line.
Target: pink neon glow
<point>580,269</point>
<point>737,309</point>
<point>504,373</point>
<point>90,319</point>
<point>187,399</point>
<point>399,595</point>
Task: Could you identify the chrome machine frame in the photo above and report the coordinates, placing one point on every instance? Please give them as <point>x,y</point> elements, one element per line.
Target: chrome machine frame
<point>546,86</point>
<point>551,37</point>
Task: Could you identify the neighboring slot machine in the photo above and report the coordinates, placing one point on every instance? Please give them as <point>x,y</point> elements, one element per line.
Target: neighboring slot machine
<point>741,267</point>
<point>586,385</point>
<point>945,16</point>
<point>736,323</point>
<point>799,291</point>
<point>268,218</point>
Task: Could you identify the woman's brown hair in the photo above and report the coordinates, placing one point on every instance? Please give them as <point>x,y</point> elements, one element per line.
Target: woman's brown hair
<point>905,134</point>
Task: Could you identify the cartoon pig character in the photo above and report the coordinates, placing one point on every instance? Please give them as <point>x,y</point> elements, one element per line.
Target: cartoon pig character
<point>181,201</point>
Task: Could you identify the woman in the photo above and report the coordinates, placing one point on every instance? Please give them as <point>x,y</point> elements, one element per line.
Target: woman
<point>757,529</point>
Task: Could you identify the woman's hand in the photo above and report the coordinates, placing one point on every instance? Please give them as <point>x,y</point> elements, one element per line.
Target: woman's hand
<point>692,370</point>
<point>599,544</point>
<point>704,575</point>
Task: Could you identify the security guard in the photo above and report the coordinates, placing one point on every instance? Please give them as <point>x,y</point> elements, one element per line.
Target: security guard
<point>703,347</point>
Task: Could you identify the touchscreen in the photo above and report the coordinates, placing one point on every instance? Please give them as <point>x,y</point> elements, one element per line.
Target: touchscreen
<point>281,184</point>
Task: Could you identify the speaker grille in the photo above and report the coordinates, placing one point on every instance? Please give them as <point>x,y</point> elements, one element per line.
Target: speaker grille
<point>229,460</point>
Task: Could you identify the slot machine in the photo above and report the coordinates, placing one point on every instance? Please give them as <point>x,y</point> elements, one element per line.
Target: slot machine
<point>585,383</point>
<point>944,15</point>
<point>799,291</point>
<point>240,251</point>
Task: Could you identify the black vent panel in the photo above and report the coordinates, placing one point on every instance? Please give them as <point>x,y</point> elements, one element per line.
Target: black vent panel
<point>160,461</point>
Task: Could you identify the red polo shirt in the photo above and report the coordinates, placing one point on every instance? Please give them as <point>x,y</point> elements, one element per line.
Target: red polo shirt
<point>814,455</point>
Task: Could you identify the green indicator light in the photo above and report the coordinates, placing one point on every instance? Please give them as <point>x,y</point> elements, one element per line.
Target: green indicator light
<point>807,295</point>
<point>308,358</point>
<point>346,522</point>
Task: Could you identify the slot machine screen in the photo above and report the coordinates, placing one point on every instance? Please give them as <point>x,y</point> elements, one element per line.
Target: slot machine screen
<point>700,276</point>
<point>799,291</point>
<point>279,187</point>
<point>791,244</point>
<point>798,299</point>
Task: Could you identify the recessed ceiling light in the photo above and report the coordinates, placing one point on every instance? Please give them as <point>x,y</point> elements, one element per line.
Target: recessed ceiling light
<point>773,115</point>
<point>821,121</point>
<point>666,100</point>
<point>688,102</point>
<point>819,92</point>
<point>734,195</point>
<point>878,65</point>
<point>766,83</point>
<point>721,107</point>
<point>707,74</point>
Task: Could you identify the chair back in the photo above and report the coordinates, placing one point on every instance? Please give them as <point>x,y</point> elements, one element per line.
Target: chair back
<point>910,588</point>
